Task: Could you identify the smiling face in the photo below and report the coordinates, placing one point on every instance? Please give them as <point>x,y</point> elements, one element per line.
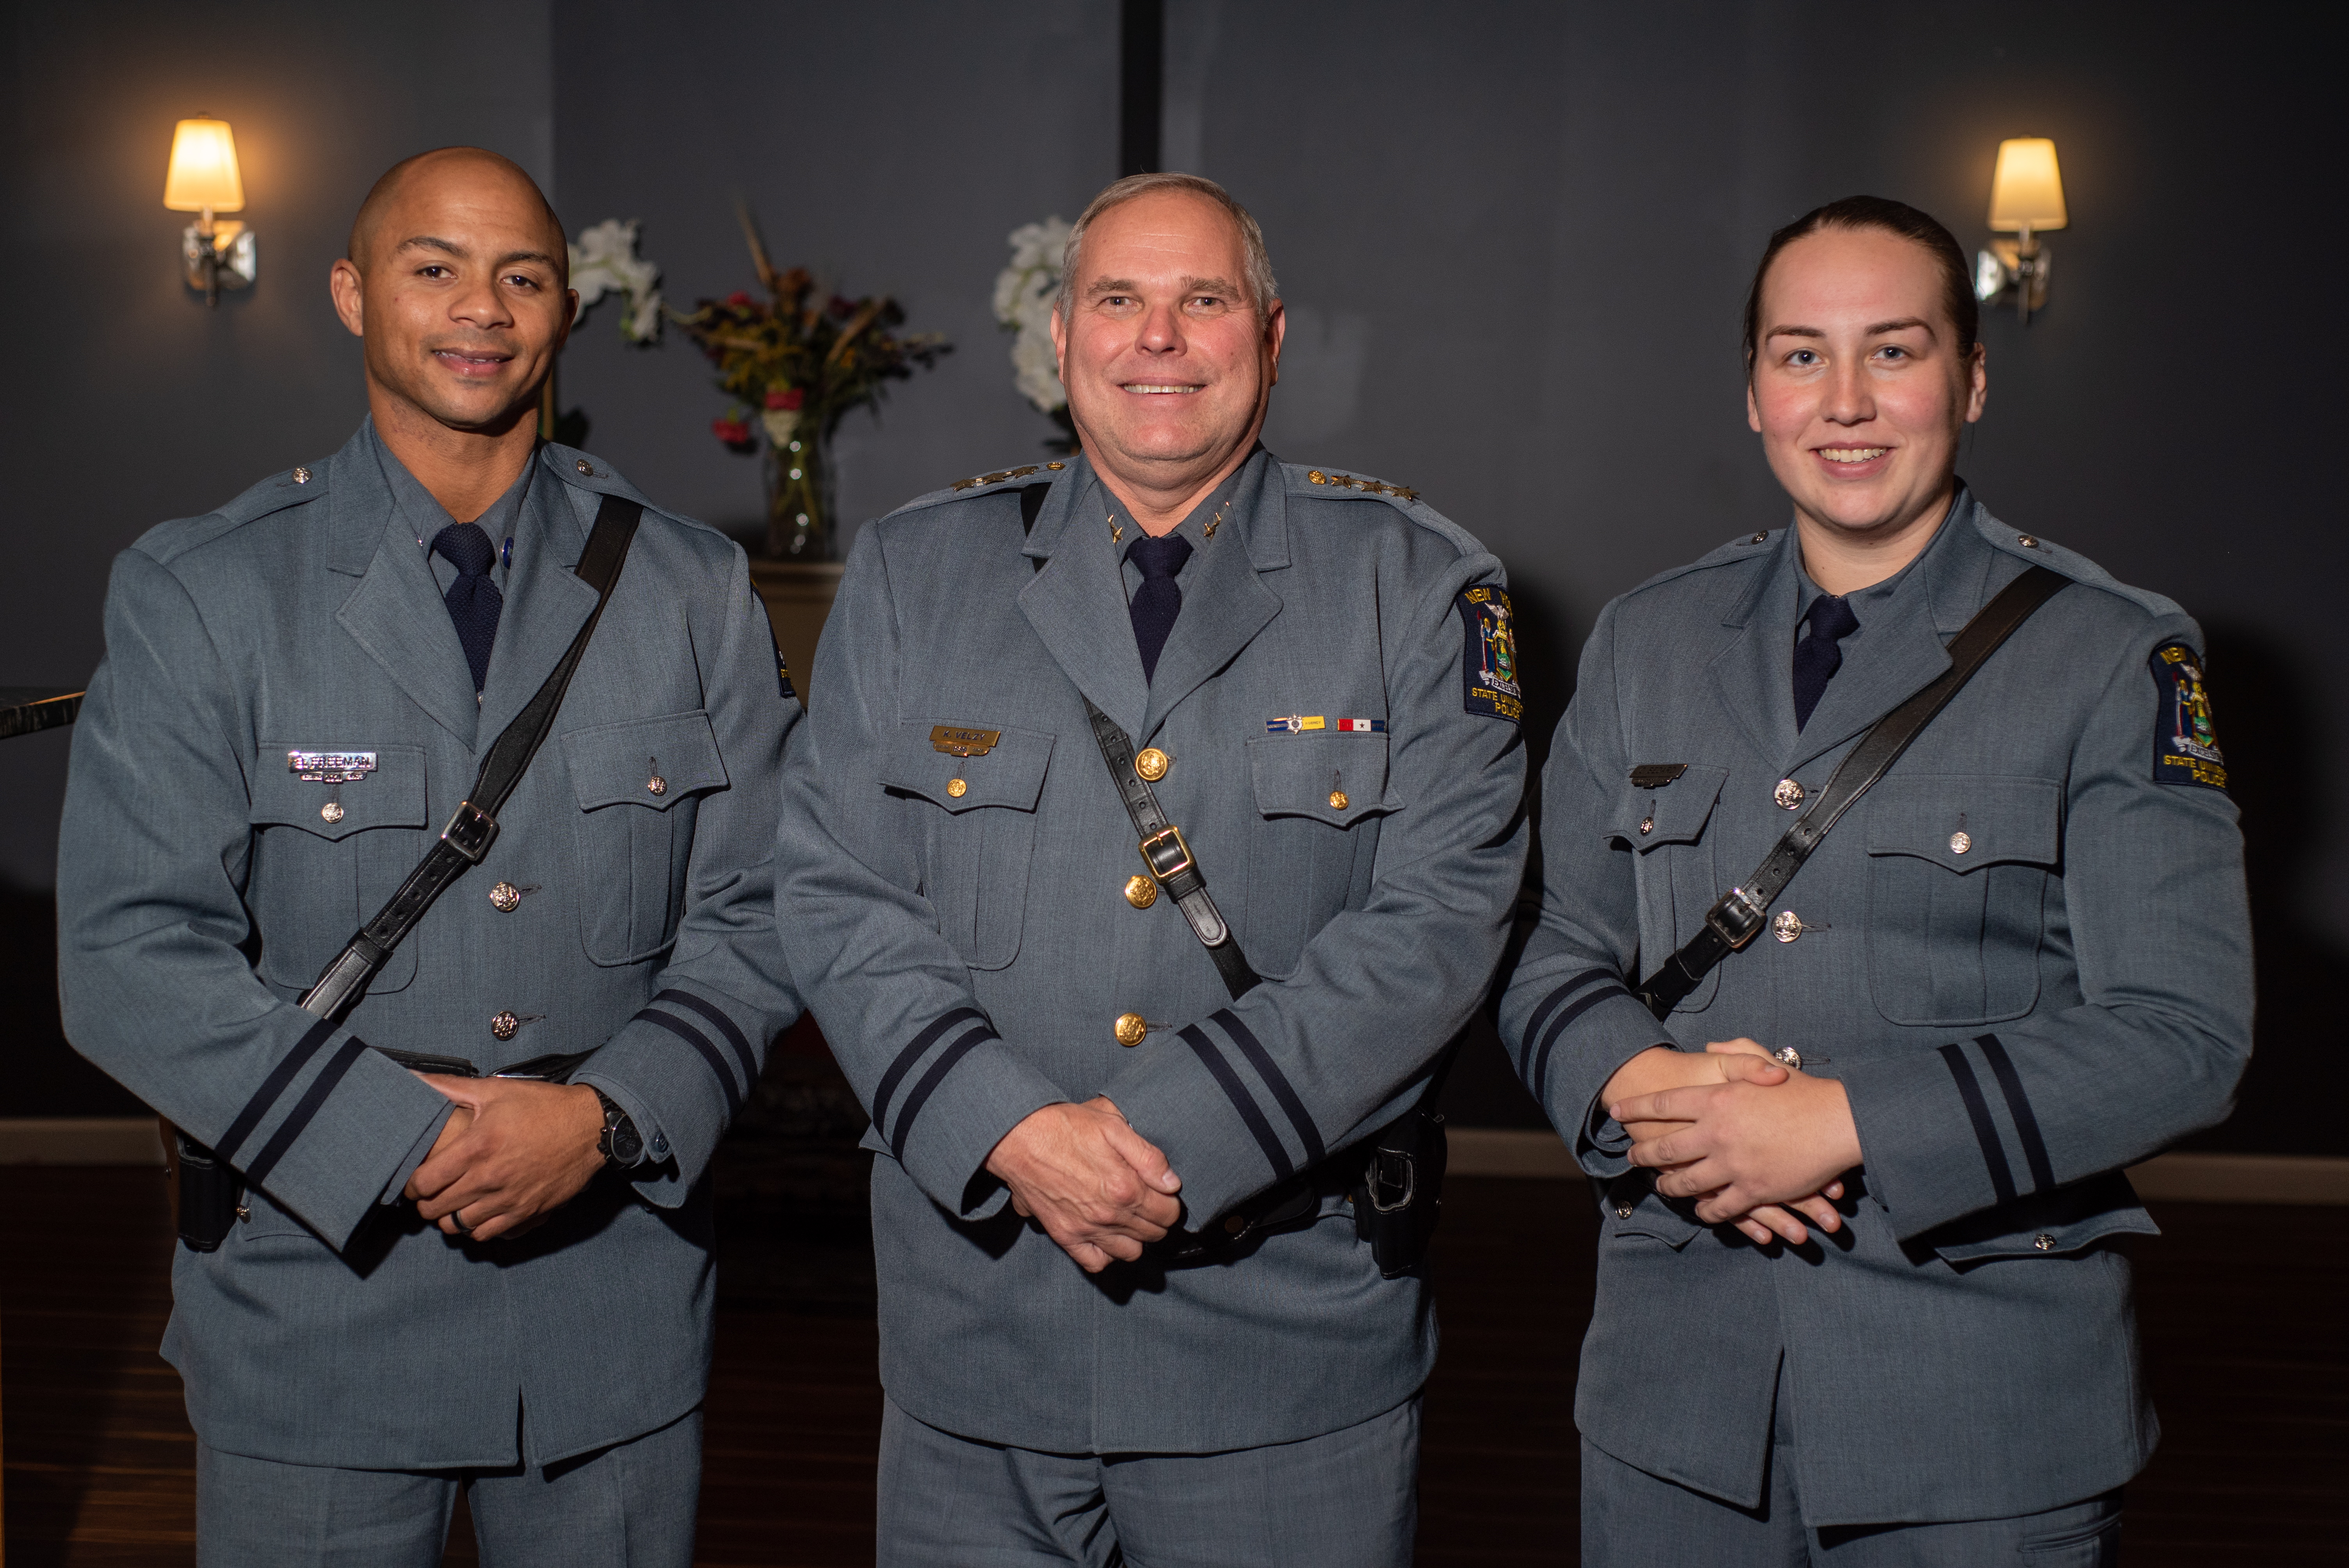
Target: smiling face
<point>455,285</point>
<point>1859,388</point>
<point>1169,366</point>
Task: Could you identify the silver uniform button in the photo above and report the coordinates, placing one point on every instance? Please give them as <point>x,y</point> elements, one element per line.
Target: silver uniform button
<point>2025,540</point>
<point>1647,826</point>
<point>504,1026</point>
<point>2044,1242</point>
<point>1960,842</point>
<point>1788,794</point>
<point>585,467</point>
<point>1786,927</point>
<point>1759,539</point>
<point>332,811</point>
<point>1624,1212</point>
<point>301,476</point>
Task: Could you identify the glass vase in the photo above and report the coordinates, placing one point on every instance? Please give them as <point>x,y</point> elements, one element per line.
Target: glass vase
<point>799,498</point>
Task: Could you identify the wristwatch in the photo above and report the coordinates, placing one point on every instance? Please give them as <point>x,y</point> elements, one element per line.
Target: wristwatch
<point>620,1142</point>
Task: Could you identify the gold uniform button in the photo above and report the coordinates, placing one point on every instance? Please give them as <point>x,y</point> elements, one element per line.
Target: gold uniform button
<point>1129,1029</point>
<point>957,789</point>
<point>1788,794</point>
<point>506,1026</point>
<point>1337,801</point>
<point>656,785</point>
<point>1960,842</point>
<point>505,898</point>
<point>301,476</point>
<point>332,811</point>
<point>2025,540</point>
<point>1624,1212</point>
<point>1152,764</point>
<point>1141,892</point>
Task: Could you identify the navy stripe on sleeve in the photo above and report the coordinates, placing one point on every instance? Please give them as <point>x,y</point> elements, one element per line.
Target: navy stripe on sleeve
<point>1550,1003</point>
<point>710,1053</point>
<point>303,1109</point>
<point>2001,1177</point>
<point>912,1054</point>
<point>1242,1101</point>
<point>1274,1079</point>
<point>726,1026</point>
<point>2018,1105</point>
<point>930,1079</point>
<point>1540,1081</point>
<point>273,1087</point>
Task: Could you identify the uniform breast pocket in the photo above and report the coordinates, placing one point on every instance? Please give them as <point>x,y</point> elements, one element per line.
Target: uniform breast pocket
<point>638,784</point>
<point>326,857</point>
<point>977,816</point>
<point>1957,880</point>
<point>1318,800</point>
<point>1678,877</point>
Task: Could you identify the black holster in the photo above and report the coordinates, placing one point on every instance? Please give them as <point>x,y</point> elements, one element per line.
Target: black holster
<point>209,1193</point>
<point>1402,1192</point>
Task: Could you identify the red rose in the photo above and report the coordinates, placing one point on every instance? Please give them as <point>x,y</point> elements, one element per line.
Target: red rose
<point>738,298</point>
<point>842,306</point>
<point>789,398</point>
<point>733,432</point>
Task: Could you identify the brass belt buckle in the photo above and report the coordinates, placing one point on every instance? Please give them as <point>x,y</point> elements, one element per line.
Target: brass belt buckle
<point>1155,847</point>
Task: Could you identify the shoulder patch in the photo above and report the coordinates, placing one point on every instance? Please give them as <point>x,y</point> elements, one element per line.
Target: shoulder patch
<point>2185,742</point>
<point>1366,487</point>
<point>1489,664</point>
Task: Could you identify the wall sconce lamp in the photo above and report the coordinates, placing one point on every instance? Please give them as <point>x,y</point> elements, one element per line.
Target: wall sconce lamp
<point>2026,195</point>
<point>204,180</point>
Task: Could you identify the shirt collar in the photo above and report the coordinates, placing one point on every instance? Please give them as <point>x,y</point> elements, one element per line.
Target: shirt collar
<point>424,517</point>
<point>1868,604</point>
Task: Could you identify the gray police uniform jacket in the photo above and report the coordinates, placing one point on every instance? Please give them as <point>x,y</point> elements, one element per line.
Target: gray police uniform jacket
<point>961,933</point>
<point>2025,952</point>
<point>202,887</point>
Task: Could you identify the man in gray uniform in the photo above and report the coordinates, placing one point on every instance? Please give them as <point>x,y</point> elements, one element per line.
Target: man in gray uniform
<point>1074,1095</point>
<point>297,693</point>
<point>2020,962</point>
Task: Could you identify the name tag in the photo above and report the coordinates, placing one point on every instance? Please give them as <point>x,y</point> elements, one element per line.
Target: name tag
<point>329,767</point>
<point>957,742</point>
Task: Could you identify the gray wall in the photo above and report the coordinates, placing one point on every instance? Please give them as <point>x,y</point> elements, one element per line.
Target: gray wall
<point>1514,237</point>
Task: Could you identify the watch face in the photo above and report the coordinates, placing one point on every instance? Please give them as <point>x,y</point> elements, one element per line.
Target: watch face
<point>627,1145</point>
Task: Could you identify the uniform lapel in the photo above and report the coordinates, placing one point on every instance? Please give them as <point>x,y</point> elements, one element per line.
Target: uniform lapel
<point>1225,604</point>
<point>546,602</point>
<point>1077,601</point>
<point>396,613</point>
<point>1905,639</point>
<point>1754,674</point>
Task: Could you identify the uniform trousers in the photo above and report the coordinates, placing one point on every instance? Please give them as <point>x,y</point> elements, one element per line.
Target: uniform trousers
<point>628,1506</point>
<point>1634,1520</point>
<point>1348,1498</point>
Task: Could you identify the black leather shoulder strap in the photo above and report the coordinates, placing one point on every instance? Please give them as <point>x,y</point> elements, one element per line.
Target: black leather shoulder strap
<point>1738,916</point>
<point>474,828</point>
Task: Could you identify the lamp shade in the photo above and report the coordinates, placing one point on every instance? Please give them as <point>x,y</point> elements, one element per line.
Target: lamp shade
<point>2027,191</point>
<point>204,168</point>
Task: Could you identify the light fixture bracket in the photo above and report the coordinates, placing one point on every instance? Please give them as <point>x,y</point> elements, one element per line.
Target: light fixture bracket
<point>2015,270</point>
<point>224,258</point>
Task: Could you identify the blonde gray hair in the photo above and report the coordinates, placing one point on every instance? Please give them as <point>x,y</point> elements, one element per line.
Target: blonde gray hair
<point>1259,278</point>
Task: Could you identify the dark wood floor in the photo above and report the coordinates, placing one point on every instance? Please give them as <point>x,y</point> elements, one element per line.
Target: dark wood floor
<point>2242,1328</point>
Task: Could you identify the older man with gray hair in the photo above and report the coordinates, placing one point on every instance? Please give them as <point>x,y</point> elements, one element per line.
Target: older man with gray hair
<point>1155,1156</point>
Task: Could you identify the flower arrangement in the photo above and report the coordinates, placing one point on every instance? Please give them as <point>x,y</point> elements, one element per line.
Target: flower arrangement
<point>603,261</point>
<point>796,363</point>
<point>1024,294</point>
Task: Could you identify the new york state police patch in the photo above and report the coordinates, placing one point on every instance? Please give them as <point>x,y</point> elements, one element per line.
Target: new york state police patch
<point>1488,667</point>
<point>2185,743</point>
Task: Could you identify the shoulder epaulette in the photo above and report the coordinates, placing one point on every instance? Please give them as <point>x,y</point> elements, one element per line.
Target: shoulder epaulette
<point>1358,485</point>
<point>980,481</point>
<point>296,486</point>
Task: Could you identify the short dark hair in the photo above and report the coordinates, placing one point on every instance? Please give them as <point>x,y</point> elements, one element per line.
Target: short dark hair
<point>1919,228</point>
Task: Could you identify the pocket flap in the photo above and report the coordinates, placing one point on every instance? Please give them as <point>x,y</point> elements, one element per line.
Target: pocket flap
<point>1673,813</point>
<point>1965,820</point>
<point>1011,773</point>
<point>1297,774</point>
<point>389,795</point>
<point>612,763</point>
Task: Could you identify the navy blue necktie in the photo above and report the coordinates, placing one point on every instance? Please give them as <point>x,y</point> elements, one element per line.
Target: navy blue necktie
<point>474,600</point>
<point>1820,654</point>
<point>1159,600</point>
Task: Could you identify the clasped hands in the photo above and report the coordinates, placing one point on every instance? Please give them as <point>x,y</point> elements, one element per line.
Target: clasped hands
<point>511,1152</point>
<point>1100,1189</point>
<point>1758,1146</point>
